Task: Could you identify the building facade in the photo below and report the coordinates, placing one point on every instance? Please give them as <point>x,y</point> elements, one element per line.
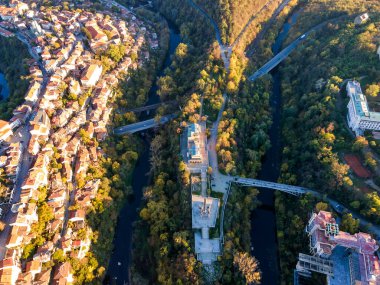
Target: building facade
<point>352,258</point>
<point>359,117</point>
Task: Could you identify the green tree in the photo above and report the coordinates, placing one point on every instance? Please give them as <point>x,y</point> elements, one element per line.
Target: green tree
<point>373,90</point>
<point>248,267</point>
<point>349,224</point>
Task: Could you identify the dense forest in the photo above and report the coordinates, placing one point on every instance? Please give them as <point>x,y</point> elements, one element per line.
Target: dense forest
<point>197,76</point>
<point>315,134</point>
<point>232,16</point>
<point>14,66</point>
<point>164,253</point>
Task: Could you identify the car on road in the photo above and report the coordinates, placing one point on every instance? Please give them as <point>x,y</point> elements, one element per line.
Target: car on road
<point>303,36</point>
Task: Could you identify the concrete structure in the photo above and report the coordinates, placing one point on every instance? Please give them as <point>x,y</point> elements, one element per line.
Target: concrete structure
<point>204,211</point>
<point>276,60</point>
<point>193,143</point>
<point>204,215</point>
<point>143,125</point>
<point>206,249</point>
<point>350,259</point>
<point>290,189</point>
<point>193,146</point>
<point>359,117</point>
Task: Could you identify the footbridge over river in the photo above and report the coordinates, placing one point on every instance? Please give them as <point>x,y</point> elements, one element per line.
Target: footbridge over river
<point>143,125</point>
<point>290,189</point>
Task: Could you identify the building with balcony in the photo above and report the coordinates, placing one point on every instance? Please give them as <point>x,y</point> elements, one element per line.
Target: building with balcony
<point>343,257</point>
<point>359,117</point>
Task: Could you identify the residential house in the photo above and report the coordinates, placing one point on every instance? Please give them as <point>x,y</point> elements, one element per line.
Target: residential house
<point>44,251</point>
<point>77,215</point>
<point>82,161</point>
<point>91,75</point>
<point>24,278</point>
<point>34,267</point>
<point>80,248</point>
<point>43,278</point>
<point>361,19</point>
<point>9,271</point>
<point>33,92</point>
<point>16,236</point>
<point>63,274</point>
<point>5,130</point>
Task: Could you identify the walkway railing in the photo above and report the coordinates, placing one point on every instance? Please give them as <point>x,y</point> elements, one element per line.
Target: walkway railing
<point>290,189</point>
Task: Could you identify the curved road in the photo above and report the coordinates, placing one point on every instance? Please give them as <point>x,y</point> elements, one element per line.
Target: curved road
<point>212,21</point>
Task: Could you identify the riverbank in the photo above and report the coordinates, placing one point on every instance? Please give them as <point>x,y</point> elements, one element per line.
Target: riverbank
<point>118,268</point>
<point>314,123</point>
<point>14,68</point>
<point>4,88</point>
<point>263,219</point>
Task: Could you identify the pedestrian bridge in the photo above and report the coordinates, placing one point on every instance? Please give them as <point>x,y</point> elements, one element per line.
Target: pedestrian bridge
<point>290,189</point>
<point>144,125</point>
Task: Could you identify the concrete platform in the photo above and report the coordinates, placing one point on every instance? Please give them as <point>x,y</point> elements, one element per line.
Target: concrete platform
<point>207,250</point>
<point>204,220</point>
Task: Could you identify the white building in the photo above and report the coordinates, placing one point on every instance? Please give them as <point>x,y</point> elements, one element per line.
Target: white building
<point>91,75</point>
<point>359,117</point>
<point>361,19</point>
<point>193,143</point>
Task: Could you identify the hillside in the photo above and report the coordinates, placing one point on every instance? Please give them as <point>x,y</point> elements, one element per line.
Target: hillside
<point>232,15</point>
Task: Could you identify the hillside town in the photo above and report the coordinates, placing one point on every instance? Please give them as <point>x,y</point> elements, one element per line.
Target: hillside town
<point>51,143</point>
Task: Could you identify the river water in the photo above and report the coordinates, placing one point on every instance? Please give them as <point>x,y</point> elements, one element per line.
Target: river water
<point>263,220</point>
<point>118,269</point>
<point>4,88</point>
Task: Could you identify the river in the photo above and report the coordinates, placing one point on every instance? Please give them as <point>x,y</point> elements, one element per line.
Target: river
<point>263,220</point>
<point>4,88</point>
<point>118,269</point>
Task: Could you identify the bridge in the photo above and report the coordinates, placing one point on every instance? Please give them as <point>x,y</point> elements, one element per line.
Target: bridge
<point>290,189</point>
<point>277,59</point>
<point>143,125</point>
<point>286,51</point>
